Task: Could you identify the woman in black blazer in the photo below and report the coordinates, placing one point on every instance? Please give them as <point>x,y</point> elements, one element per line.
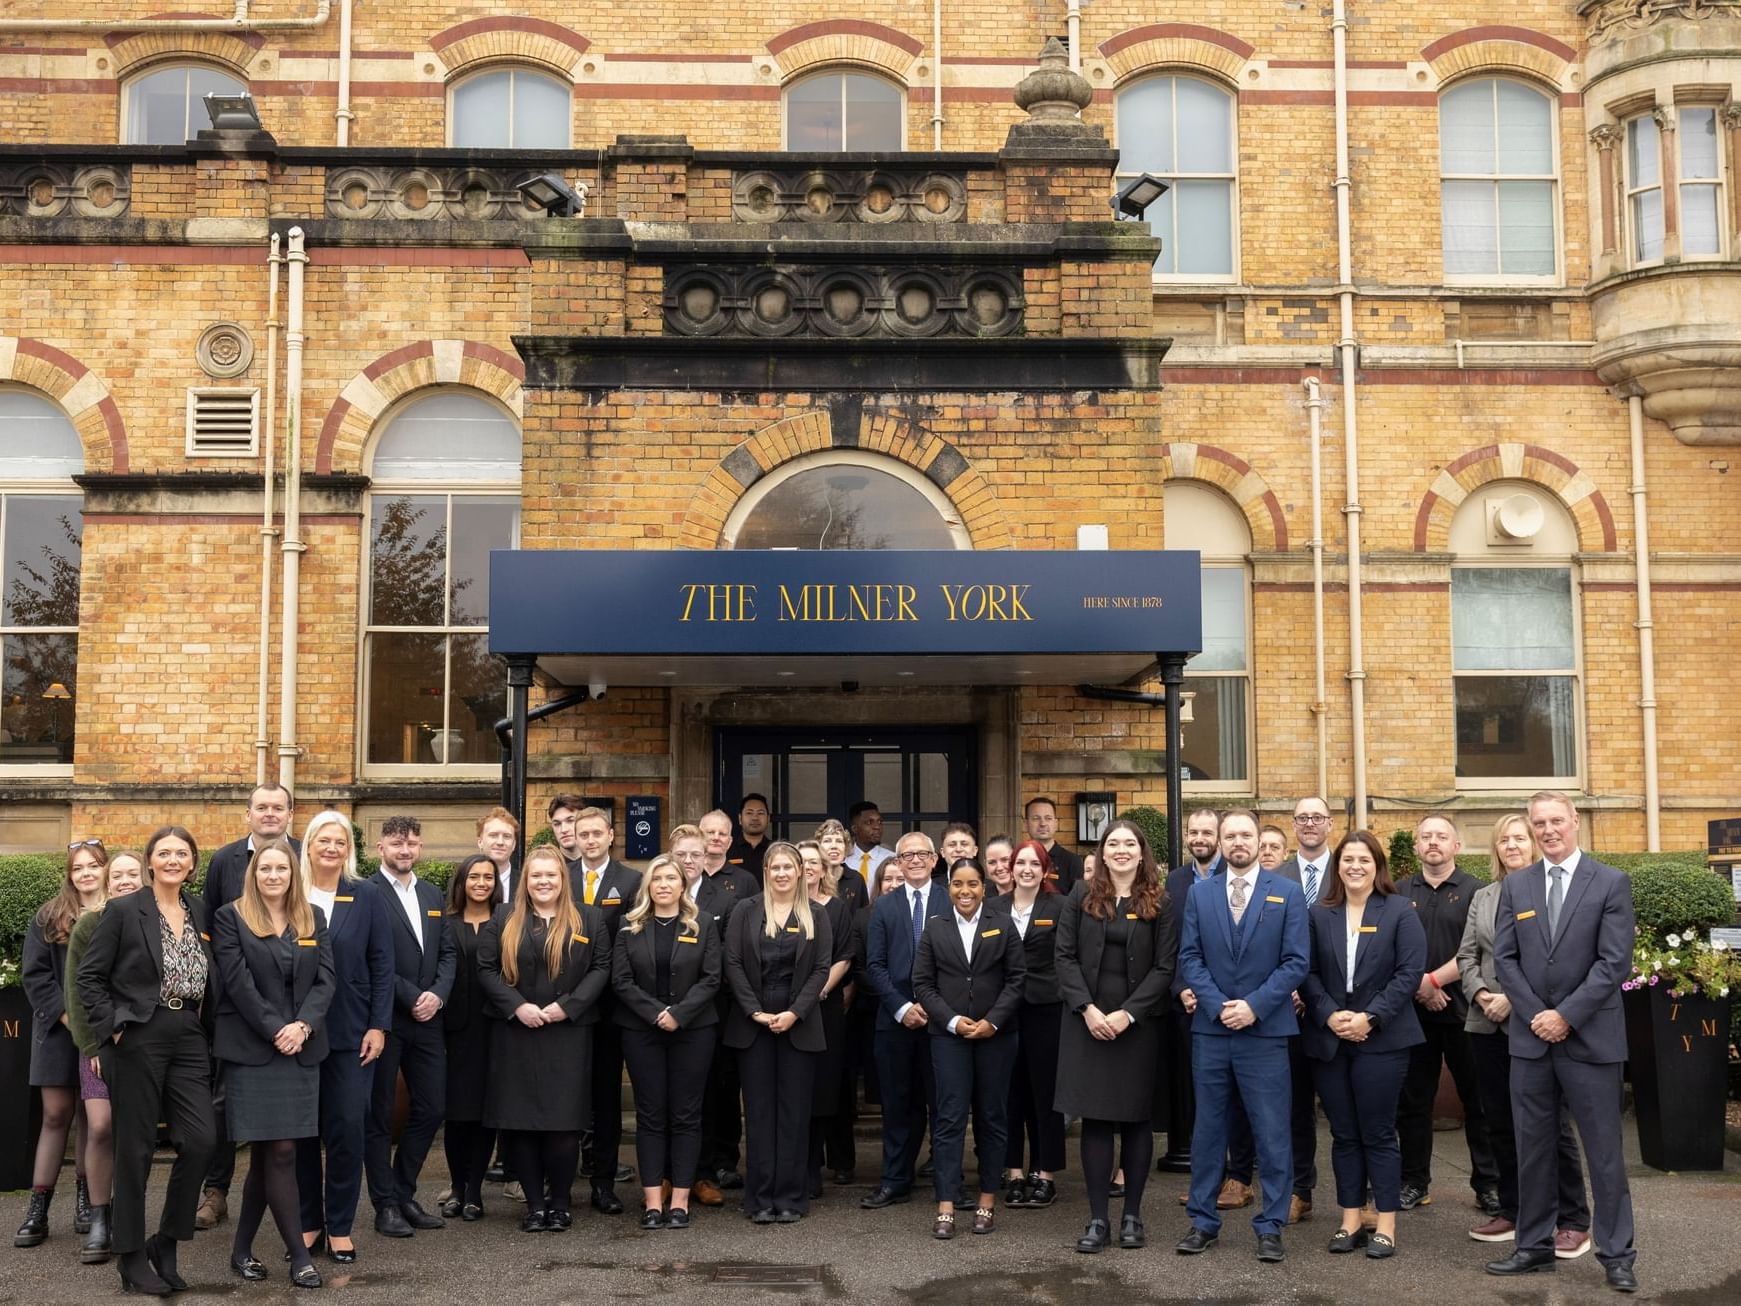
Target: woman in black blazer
<point>473,894</point>
<point>777,956</point>
<point>1114,956</point>
<point>1368,954</point>
<point>144,978</point>
<point>543,964</point>
<point>831,1105</point>
<point>1034,905</point>
<point>665,969</point>
<point>969,975</point>
<point>54,1061</point>
<point>359,932</point>
<point>276,963</point>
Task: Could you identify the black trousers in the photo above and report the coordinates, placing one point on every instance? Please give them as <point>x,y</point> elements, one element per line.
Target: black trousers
<point>1181,1092</point>
<point>222,1170</point>
<point>779,1087</point>
<point>971,1075</point>
<point>721,1122</point>
<point>1303,1124</point>
<point>607,1099</point>
<point>669,1076</point>
<point>329,1202</point>
<point>1447,1043</point>
<point>422,1059</point>
<point>1493,1076</point>
<point>903,1058</point>
<point>1592,1091</point>
<point>159,1071</point>
<point>1033,1085</point>
<point>1360,1091</point>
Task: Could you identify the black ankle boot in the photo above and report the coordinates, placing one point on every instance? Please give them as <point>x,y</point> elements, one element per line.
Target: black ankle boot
<point>35,1226</point>
<point>160,1253</point>
<point>94,1250</point>
<point>138,1276</point>
<point>82,1206</point>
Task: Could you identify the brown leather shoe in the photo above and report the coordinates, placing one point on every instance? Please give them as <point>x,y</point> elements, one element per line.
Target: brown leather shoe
<point>1298,1209</point>
<point>707,1193</point>
<point>984,1220</point>
<point>944,1228</point>
<point>1233,1196</point>
<point>214,1209</point>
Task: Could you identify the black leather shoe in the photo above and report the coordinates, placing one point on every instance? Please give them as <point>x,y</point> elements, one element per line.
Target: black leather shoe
<point>342,1255</point>
<point>1522,1262</point>
<point>138,1276</point>
<point>1131,1234</point>
<point>606,1202</point>
<point>788,1217</point>
<point>880,1197</point>
<point>1380,1247</point>
<point>1269,1248</point>
<point>652,1218</point>
<point>471,1211</point>
<point>1346,1240</point>
<point>1488,1200</point>
<point>1041,1192</point>
<point>35,1226</point>
<point>306,1277</point>
<point>1622,1279</point>
<point>81,1207</point>
<point>418,1218</point>
<point>762,1217</point>
<point>248,1269</point>
<point>727,1178</point>
<point>390,1222</point>
<point>677,1219</point>
<point>160,1255</point>
<point>1097,1237</point>
<point>451,1208</point>
<point>559,1221</point>
<point>534,1223</point>
<point>1117,1190</point>
<point>1015,1192</point>
<point>1195,1242</point>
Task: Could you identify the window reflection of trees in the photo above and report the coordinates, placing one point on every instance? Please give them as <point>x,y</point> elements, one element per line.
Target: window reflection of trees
<point>43,550</point>
<point>844,508</point>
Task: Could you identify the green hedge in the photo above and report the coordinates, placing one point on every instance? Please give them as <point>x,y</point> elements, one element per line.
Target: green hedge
<point>1152,821</point>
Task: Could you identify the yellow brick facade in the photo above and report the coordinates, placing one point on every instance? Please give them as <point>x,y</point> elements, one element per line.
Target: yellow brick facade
<point>1459,385</point>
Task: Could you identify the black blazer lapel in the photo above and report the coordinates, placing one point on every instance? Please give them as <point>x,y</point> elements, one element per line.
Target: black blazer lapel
<point>1336,925</point>
<point>151,929</point>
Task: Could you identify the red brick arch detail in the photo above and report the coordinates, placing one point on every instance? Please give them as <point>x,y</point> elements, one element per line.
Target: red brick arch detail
<point>1189,31</point>
<point>1497,32</point>
<point>81,394</point>
<point>511,23</point>
<point>844,27</point>
<point>399,372</point>
<point>1233,476</point>
<point>1552,471</point>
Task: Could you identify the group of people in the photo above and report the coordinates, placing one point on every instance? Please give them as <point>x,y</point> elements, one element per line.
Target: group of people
<point>748,982</point>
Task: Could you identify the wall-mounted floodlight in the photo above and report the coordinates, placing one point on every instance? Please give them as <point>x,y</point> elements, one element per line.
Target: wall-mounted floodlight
<point>232,113</point>
<point>554,195</point>
<point>1134,197</point>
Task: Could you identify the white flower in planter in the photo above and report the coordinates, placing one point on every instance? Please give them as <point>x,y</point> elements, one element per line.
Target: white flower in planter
<point>1674,940</point>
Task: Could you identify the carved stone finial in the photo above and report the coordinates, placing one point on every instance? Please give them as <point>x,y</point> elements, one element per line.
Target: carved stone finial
<point>1052,91</point>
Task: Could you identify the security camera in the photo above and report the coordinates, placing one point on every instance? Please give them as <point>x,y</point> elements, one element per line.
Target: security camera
<point>595,690</point>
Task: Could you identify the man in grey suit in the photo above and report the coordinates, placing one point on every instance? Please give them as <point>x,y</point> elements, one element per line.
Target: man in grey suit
<point>1562,946</point>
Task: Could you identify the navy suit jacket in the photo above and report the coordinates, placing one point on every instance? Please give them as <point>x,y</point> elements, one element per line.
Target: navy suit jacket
<point>1389,960</point>
<point>889,951</point>
<point>1262,960</point>
<point>362,957</point>
<point>1179,882</point>
<point>1578,973</point>
<point>418,970</point>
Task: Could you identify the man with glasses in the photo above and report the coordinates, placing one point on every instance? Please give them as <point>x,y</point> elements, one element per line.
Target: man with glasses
<point>902,1049</point>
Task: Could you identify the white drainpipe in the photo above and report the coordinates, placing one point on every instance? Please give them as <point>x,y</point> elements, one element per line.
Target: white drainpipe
<point>262,743</point>
<point>937,74</point>
<point>292,547</point>
<point>1315,404</point>
<point>344,114</point>
<point>1073,31</point>
<point>1646,628</point>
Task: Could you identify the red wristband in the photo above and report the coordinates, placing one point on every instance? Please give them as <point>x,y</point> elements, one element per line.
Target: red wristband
<point>1434,980</point>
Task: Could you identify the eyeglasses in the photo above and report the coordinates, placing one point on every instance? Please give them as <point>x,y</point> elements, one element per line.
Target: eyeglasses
<point>919,856</point>
<point>77,844</point>
<point>1311,819</point>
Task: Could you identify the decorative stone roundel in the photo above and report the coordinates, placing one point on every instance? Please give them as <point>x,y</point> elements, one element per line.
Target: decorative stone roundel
<point>224,350</point>
<point>843,302</point>
<point>836,195</point>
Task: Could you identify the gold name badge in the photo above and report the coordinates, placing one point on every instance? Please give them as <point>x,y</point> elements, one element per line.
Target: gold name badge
<point>987,934</point>
<point>1369,929</point>
<point>434,912</point>
<point>793,929</point>
<point>581,938</point>
<point>1042,922</point>
<point>1273,898</point>
<point>1525,915</point>
<point>1130,915</point>
<point>344,897</point>
<point>685,939</point>
<point>308,943</point>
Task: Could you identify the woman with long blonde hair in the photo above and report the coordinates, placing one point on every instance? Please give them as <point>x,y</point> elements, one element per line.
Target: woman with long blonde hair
<point>543,964</point>
<point>1512,848</point>
<point>777,957</point>
<point>665,968</point>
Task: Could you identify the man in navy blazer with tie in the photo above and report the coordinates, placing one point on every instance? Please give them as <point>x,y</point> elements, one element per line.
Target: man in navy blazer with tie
<point>902,1047</point>
<point>1245,948</point>
<point>1562,945</point>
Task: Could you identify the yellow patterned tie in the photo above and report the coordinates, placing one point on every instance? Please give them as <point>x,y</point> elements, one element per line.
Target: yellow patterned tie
<point>591,886</point>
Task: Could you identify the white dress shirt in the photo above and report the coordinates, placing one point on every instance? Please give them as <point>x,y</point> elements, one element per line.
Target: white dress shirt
<point>1021,916</point>
<point>1569,865</point>
<point>323,898</point>
<point>966,927</point>
<point>907,892</point>
<point>406,893</point>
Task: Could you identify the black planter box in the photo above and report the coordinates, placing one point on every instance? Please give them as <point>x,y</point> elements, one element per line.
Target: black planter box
<point>20,1104</point>
<point>1679,1059</point>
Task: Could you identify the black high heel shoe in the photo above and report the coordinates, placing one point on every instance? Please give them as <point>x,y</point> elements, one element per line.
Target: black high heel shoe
<point>247,1268</point>
<point>160,1256</point>
<point>342,1255</point>
<point>138,1276</point>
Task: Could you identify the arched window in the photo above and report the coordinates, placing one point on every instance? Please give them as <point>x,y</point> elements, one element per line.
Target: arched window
<point>1514,639</point>
<point>845,111</point>
<point>1216,748</point>
<point>840,500</point>
<point>41,534</point>
<point>445,491</point>
<point>509,109</point>
<point>164,106</point>
<point>1499,182</point>
<point>1181,129</point>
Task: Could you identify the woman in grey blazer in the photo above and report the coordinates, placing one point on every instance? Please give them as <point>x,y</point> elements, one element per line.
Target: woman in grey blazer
<point>1513,848</point>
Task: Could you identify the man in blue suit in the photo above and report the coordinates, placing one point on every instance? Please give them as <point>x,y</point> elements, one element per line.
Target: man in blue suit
<point>1562,945</point>
<point>902,1046</point>
<point>1245,948</point>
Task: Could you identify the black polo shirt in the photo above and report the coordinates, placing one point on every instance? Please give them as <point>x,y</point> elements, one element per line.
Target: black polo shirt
<point>1443,912</point>
<point>747,857</point>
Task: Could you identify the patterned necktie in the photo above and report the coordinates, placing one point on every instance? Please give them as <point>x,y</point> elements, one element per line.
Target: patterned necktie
<point>1311,883</point>
<point>918,919</point>
<point>1238,900</point>
<point>1556,899</point>
<point>591,886</point>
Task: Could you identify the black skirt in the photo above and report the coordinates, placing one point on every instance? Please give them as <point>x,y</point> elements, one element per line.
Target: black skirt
<point>540,1079</point>
<point>54,1061</point>
<point>280,1099</point>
